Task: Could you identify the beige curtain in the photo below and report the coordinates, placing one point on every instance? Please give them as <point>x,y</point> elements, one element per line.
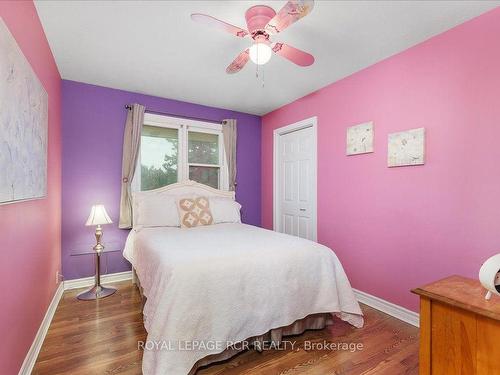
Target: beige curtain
<point>230,136</point>
<point>131,145</point>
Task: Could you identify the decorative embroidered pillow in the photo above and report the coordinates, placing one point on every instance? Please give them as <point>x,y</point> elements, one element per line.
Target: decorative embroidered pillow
<point>194,212</point>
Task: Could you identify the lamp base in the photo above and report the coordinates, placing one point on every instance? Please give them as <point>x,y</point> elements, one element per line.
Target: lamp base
<point>96,292</point>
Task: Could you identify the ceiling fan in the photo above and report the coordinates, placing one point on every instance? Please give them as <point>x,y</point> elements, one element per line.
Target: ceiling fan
<point>262,23</point>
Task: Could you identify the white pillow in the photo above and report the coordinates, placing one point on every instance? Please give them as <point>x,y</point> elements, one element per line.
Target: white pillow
<point>225,210</point>
<point>156,212</point>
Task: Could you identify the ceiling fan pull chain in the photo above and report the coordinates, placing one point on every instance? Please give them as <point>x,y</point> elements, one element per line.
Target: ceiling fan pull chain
<point>257,71</point>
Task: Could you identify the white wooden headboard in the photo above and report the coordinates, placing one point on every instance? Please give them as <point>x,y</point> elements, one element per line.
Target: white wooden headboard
<point>185,189</point>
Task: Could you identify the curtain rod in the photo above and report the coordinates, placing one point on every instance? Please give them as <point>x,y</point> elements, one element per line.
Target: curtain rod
<point>129,107</point>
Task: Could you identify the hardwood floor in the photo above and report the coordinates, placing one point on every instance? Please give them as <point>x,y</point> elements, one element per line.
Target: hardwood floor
<point>100,337</point>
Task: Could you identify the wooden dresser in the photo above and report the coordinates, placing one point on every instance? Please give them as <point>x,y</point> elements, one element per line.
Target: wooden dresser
<point>459,329</point>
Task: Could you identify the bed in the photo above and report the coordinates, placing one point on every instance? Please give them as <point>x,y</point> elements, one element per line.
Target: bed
<point>212,290</point>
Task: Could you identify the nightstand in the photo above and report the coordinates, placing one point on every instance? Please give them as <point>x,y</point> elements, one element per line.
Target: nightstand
<point>97,291</point>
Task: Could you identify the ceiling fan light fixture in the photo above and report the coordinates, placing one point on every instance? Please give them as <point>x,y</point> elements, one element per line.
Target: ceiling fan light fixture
<point>260,53</point>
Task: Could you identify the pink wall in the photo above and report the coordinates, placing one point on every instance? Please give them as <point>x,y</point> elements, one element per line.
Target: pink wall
<point>397,228</point>
<point>30,231</point>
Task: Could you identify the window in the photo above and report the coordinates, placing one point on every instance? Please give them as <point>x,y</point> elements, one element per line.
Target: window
<point>174,149</point>
<point>159,156</point>
<point>203,158</point>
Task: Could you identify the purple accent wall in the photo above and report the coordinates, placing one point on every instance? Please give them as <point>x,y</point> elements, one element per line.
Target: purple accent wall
<point>93,119</point>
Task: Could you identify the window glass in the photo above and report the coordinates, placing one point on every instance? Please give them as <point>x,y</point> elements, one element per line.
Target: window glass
<point>203,148</point>
<point>159,156</point>
<point>205,175</point>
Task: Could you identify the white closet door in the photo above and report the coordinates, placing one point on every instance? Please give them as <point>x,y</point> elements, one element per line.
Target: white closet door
<point>296,179</point>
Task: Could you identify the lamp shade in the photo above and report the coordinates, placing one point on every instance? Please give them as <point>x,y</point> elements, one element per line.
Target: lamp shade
<point>98,216</point>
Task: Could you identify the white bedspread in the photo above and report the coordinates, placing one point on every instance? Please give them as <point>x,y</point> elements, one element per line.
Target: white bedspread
<point>229,282</point>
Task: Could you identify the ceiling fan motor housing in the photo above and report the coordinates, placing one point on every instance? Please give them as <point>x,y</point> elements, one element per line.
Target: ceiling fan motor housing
<point>258,16</point>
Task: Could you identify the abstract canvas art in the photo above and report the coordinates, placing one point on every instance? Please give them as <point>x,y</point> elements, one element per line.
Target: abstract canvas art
<point>406,148</point>
<point>360,139</point>
<point>23,125</point>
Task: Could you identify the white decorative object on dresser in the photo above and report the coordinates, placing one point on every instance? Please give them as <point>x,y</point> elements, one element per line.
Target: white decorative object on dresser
<point>489,276</point>
<point>360,139</point>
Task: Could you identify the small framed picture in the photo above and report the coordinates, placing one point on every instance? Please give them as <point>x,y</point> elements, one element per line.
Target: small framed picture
<point>406,148</point>
<point>360,139</point>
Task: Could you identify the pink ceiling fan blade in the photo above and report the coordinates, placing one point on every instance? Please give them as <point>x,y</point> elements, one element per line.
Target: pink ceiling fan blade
<point>293,11</point>
<point>293,54</point>
<point>239,62</point>
<point>214,22</point>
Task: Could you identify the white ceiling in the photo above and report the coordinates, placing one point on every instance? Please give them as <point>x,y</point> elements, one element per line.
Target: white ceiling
<point>153,47</point>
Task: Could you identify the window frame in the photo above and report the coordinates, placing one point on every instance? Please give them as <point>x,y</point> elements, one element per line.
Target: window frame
<point>184,126</point>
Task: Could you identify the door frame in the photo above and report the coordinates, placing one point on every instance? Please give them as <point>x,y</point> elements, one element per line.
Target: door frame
<point>311,122</point>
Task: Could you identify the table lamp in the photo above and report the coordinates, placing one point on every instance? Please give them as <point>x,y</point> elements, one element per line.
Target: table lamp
<point>98,216</point>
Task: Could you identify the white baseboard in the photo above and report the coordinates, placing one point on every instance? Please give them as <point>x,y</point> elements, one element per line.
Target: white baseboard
<point>30,359</point>
<point>389,308</point>
<point>105,279</point>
